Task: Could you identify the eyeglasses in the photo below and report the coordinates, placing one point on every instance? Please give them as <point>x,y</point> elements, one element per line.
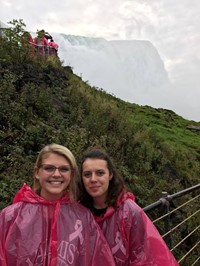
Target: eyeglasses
<point>50,169</point>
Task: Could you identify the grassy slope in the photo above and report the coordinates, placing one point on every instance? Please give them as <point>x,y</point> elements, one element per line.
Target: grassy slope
<point>152,147</point>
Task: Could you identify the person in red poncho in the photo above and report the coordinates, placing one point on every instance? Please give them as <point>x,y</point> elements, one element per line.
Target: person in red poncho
<point>28,44</point>
<point>133,239</point>
<point>45,226</point>
<point>41,43</point>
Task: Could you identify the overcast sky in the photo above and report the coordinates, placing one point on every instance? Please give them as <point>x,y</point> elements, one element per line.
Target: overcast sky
<point>171,25</point>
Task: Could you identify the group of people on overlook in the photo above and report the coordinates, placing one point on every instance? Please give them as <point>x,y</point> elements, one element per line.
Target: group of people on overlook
<point>42,45</point>
<point>79,219</point>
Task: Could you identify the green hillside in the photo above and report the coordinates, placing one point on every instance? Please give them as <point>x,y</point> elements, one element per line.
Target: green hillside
<point>153,148</point>
<point>42,101</point>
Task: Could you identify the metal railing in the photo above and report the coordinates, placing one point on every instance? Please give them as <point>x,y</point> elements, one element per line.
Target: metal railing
<point>43,50</point>
<point>179,226</point>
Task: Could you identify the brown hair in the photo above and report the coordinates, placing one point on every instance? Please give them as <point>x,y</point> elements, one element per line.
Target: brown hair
<point>116,184</point>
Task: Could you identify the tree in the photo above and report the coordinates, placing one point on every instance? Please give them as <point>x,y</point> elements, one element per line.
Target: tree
<point>12,44</point>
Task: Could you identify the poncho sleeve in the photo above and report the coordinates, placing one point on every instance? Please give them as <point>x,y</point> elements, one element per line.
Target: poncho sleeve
<point>6,219</point>
<point>147,245</point>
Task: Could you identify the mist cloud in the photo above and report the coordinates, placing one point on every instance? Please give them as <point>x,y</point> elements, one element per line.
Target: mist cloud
<point>171,26</point>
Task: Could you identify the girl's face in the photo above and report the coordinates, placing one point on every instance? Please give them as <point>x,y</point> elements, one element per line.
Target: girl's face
<point>54,176</point>
<point>96,177</point>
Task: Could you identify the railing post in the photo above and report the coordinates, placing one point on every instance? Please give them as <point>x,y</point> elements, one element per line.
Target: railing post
<point>166,205</point>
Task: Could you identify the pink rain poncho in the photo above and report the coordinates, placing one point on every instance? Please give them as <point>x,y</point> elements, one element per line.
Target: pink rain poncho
<point>132,237</point>
<point>37,232</point>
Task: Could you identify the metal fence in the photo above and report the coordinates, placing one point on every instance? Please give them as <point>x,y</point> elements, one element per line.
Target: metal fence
<point>178,221</point>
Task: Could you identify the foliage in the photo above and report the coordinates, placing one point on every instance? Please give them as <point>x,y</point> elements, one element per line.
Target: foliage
<point>15,47</point>
<point>42,102</point>
<point>11,45</point>
<point>148,151</point>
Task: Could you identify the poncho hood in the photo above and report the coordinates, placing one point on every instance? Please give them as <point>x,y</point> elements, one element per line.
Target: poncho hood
<point>110,210</point>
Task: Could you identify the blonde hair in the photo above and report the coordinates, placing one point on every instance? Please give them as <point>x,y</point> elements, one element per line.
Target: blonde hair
<point>65,152</point>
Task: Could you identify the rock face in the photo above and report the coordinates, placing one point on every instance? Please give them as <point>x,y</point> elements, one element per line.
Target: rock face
<point>194,128</point>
